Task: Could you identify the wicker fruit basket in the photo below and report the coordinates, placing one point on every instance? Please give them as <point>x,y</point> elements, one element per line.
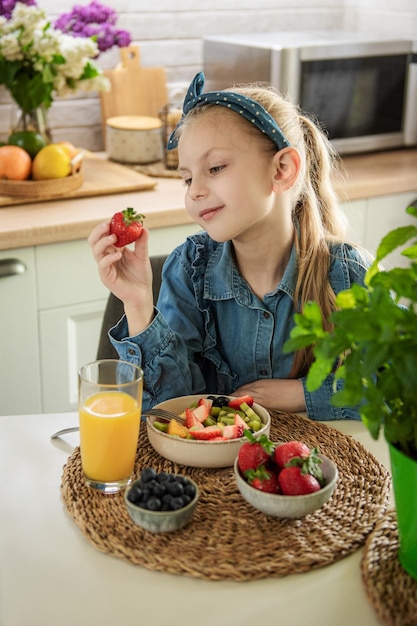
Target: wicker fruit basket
<point>50,188</point>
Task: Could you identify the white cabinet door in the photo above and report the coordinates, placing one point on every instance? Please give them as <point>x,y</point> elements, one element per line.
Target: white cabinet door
<point>371,219</point>
<point>385,214</point>
<point>69,338</point>
<point>19,353</point>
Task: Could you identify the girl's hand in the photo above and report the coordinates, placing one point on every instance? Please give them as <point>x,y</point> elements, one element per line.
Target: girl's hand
<point>126,273</point>
<point>276,393</point>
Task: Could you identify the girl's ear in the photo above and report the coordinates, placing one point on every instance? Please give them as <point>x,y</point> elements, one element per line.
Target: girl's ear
<point>287,165</point>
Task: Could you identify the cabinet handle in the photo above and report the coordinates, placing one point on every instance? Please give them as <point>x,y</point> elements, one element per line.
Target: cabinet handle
<point>11,267</point>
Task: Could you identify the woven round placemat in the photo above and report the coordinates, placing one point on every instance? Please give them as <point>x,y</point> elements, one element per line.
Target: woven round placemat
<point>227,538</point>
<point>391,591</point>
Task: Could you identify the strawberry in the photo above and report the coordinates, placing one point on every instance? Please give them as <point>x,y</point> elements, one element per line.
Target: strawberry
<point>206,434</point>
<point>301,475</point>
<point>191,420</point>
<point>201,412</point>
<point>262,479</point>
<point>236,402</point>
<point>127,225</point>
<point>293,482</point>
<point>255,452</point>
<point>233,431</point>
<point>284,452</point>
<point>240,421</point>
<point>207,401</point>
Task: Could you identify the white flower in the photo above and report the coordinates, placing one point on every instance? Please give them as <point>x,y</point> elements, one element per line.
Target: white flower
<point>51,62</point>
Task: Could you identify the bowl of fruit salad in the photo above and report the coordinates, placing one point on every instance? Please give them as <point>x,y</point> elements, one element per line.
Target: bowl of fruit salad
<point>161,501</point>
<point>209,430</point>
<point>287,480</point>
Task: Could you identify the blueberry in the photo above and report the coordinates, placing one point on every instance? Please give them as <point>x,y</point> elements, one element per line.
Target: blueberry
<point>146,494</point>
<point>159,489</point>
<point>154,504</point>
<point>148,473</point>
<point>177,503</point>
<point>167,499</point>
<point>135,494</point>
<point>220,401</point>
<point>189,490</point>
<point>162,477</point>
<point>175,488</point>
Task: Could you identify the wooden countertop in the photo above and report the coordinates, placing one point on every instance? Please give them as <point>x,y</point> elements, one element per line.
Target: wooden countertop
<point>23,225</point>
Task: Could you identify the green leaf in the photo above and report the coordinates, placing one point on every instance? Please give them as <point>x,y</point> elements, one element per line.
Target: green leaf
<point>349,298</point>
<point>395,239</point>
<point>410,252</point>
<point>412,210</point>
<point>317,374</point>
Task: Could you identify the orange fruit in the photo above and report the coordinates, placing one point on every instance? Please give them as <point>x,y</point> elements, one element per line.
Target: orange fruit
<point>15,163</point>
<point>52,161</point>
<point>69,147</point>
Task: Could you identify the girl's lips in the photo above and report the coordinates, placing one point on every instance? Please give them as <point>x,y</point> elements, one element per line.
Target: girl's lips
<point>208,214</point>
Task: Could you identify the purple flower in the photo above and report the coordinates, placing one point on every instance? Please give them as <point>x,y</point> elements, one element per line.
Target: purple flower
<point>7,6</point>
<point>94,20</point>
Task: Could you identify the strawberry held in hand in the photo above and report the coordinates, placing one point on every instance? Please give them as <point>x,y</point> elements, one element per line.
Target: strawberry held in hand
<point>127,225</point>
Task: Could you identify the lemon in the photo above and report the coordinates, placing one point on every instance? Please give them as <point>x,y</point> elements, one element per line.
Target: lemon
<point>51,162</point>
<point>28,140</point>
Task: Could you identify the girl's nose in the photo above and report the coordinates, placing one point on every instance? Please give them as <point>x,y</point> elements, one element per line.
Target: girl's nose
<point>198,189</point>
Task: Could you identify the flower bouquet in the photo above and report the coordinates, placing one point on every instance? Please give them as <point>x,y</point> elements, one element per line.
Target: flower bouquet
<point>40,61</point>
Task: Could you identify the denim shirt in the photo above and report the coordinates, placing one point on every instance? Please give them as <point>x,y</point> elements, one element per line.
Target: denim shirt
<point>212,334</point>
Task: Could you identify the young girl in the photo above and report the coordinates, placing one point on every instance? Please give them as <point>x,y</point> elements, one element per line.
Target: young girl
<point>257,174</point>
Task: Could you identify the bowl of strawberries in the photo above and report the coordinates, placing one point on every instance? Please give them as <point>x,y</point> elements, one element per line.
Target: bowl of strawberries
<point>209,430</point>
<point>287,480</point>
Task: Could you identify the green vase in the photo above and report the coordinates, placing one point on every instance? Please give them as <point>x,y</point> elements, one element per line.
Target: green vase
<point>404,480</point>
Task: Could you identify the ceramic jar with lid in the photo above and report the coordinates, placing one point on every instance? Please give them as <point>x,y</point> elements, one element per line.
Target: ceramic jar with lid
<point>134,139</point>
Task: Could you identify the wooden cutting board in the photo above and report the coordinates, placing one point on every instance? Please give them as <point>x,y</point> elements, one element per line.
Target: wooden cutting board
<point>101,177</point>
<point>135,90</point>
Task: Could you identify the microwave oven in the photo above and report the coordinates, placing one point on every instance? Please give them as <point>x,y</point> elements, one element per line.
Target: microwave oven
<point>362,90</point>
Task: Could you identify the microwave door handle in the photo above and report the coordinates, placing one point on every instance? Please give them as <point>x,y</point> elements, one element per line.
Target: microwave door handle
<point>410,117</point>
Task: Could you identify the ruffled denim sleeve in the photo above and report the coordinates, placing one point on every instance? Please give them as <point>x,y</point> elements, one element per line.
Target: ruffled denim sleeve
<point>167,353</point>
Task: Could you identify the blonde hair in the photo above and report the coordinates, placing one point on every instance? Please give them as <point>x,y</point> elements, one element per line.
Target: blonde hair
<point>318,218</point>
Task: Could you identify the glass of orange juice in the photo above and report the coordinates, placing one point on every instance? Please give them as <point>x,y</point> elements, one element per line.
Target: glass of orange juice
<point>109,407</point>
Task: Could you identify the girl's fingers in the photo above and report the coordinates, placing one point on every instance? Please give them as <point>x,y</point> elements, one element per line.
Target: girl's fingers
<point>97,233</point>
<point>103,246</point>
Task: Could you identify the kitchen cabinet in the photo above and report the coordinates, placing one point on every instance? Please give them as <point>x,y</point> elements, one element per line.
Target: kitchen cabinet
<point>370,219</point>
<point>19,344</point>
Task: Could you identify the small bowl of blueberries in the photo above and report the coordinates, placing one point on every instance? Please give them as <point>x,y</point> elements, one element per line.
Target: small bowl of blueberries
<point>161,501</point>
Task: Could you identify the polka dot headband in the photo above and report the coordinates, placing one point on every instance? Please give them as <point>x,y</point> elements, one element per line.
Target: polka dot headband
<point>248,108</point>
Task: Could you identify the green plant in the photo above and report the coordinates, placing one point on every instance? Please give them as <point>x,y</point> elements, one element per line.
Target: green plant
<point>372,346</point>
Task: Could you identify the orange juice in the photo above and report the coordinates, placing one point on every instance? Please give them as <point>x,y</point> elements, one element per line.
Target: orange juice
<point>109,431</point>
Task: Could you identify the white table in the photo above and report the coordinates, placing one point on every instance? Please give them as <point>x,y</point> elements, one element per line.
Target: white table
<point>50,575</point>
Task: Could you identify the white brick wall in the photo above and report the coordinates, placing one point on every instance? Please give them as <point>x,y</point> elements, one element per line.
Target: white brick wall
<point>170,34</point>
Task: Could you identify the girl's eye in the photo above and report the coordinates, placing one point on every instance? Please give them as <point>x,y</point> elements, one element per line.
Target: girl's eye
<point>187,182</point>
<point>216,169</point>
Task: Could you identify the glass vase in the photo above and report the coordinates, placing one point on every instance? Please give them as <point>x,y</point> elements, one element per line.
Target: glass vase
<point>35,120</point>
